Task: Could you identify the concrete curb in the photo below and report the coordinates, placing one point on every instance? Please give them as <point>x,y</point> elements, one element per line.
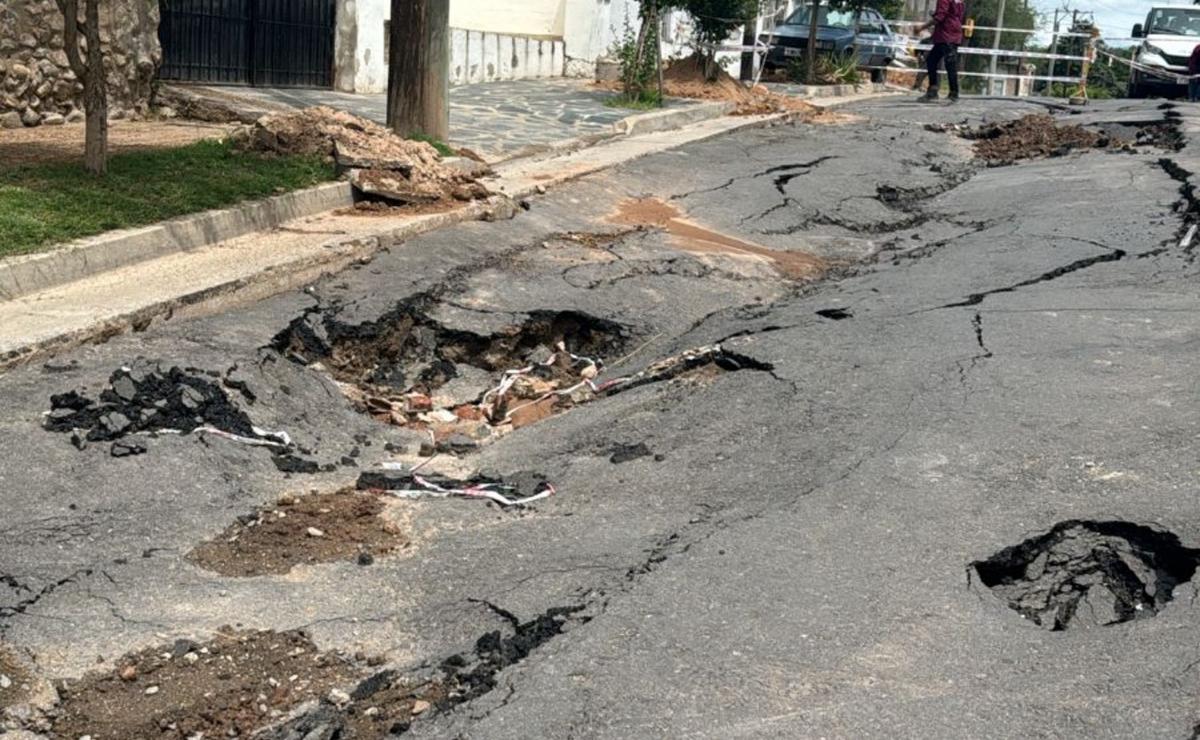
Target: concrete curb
<point>338,255</point>
<point>27,274</point>
<point>662,120</point>
<point>806,92</point>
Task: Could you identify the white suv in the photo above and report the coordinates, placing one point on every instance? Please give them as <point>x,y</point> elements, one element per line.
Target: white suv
<point>1170,34</point>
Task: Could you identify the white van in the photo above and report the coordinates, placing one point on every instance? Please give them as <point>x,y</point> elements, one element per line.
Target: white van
<point>1169,35</point>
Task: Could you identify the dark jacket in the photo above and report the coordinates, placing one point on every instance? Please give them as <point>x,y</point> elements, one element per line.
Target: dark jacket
<point>948,22</point>
<point>1194,61</point>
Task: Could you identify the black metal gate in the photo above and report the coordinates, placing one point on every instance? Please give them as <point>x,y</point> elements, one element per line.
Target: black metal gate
<point>272,43</point>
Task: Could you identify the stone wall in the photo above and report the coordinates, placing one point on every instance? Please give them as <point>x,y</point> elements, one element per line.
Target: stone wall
<point>36,83</point>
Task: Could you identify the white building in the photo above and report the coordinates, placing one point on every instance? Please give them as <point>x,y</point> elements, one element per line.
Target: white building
<point>343,44</point>
<point>491,39</point>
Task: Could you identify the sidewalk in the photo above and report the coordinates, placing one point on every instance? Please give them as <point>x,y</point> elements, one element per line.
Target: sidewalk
<point>495,119</point>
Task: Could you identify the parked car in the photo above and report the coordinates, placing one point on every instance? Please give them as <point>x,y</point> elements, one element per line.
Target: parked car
<point>875,43</point>
<point>1168,37</point>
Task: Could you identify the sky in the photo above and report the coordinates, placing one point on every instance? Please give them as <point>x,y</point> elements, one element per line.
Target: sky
<point>1115,17</point>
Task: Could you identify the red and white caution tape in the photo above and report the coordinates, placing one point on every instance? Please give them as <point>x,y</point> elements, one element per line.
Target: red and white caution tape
<point>491,491</point>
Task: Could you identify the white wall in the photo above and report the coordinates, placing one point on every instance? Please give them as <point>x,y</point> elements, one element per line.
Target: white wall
<point>590,27</point>
<point>512,17</point>
<point>359,46</point>
<point>479,56</point>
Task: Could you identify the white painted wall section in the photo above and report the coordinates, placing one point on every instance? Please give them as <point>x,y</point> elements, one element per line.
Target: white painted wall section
<point>509,17</point>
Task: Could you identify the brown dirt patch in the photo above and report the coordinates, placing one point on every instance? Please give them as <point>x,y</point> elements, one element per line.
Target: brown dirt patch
<point>1037,135</point>
<point>317,528</point>
<point>227,687</point>
<point>65,143</point>
<point>685,78</point>
<point>693,237</point>
<point>15,679</point>
<point>389,711</point>
<point>381,164</point>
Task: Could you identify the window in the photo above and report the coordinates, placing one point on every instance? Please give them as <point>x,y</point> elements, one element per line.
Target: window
<point>825,17</point>
<point>1174,21</point>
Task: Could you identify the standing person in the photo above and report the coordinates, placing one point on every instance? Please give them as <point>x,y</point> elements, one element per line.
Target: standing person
<point>1193,71</point>
<point>947,25</point>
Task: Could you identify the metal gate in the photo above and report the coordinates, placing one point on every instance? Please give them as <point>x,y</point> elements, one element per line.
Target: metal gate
<point>272,43</point>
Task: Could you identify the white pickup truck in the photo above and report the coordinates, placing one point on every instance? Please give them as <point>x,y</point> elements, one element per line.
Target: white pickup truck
<point>1168,37</point>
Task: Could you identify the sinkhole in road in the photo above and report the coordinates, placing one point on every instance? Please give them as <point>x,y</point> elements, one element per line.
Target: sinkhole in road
<point>407,350</point>
<point>302,530</point>
<point>1089,573</point>
<point>465,388</point>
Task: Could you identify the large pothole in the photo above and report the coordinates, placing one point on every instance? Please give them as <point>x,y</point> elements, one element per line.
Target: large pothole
<point>1089,573</point>
<point>464,389</point>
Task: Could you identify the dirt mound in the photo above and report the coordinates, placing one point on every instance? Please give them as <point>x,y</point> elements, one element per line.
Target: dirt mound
<point>1037,135</point>
<point>227,687</point>
<point>686,78</point>
<point>380,163</point>
<point>318,528</point>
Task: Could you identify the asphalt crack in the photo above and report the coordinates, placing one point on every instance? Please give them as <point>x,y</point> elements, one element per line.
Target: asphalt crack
<point>975,299</point>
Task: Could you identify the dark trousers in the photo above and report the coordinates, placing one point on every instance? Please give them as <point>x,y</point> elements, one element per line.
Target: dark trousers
<point>947,53</point>
<point>1194,89</point>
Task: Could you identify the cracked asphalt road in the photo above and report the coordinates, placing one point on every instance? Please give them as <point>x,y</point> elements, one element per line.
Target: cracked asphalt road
<point>993,351</point>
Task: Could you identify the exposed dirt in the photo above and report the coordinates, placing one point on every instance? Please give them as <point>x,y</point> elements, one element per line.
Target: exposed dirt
<point>227,687</point>
<point>315,528</point>
<point>381,164</point>
<point>14,679</point>
<point>1089,574</point>
<point>43,144</point>
<point>1032,136</point>
<point>686,78</point>
<point>692,237</point>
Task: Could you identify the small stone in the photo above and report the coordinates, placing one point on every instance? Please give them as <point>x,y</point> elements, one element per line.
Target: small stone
<point>31,117</point>
<point>365,558</point>
<point>75,116</point>
<point>151,690</point>
<point>541,189</point>
<point>5,681</point>
<point>53,119</point>
<point>191,658</point>
<point>12,119</point>
<point>339,697</point>
<point>420,706</point>
<point>314,532</point>
<point>124,387</point>
<point>128,673</point>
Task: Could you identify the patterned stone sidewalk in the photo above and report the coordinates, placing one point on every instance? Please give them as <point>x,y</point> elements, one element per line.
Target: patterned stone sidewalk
<point>495,119</point>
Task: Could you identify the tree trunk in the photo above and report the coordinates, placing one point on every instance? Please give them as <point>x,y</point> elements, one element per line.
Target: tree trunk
<point>95,104</point>
<point>811,53</point>
<point>748,38</point>
<point>419,68</point>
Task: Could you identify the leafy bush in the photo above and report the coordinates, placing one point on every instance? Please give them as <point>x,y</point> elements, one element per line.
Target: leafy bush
<point>829,69</point>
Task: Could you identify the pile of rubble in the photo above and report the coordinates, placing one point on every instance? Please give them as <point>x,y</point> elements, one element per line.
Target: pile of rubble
<point>146,400</point>
<point>1038,135</point>
<point>380,164</point>
<point>524,396</point>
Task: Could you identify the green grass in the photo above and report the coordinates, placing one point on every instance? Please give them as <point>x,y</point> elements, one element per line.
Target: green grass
<point>645,101</point>
<point>442,147</point>
<point>46,204</point>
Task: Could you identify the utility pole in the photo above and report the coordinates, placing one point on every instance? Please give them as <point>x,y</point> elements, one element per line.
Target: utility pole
<point>1053,49</point>
<point>996,47</point>
<point>749,37</point>
<point>419,68</point>
<point>811,53</point>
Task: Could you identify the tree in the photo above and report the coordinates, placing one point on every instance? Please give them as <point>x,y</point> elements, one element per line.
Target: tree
<point>714,21</point>
<point>87,62</point>
<point>419,68</point>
